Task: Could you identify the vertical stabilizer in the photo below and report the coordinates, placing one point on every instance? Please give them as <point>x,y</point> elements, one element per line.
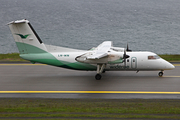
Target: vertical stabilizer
<point>26,38</point>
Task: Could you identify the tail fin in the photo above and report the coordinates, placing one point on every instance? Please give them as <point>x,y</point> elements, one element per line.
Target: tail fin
<point>26,37</point>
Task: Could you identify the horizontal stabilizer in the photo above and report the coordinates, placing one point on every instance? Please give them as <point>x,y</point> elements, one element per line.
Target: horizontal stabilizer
<point>18,21</point>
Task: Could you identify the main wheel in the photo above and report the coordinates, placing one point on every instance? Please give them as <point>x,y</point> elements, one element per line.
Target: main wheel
<point>160,74</point>
<point>98,76</point>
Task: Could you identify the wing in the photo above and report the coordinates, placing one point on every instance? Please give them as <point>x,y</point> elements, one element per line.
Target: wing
<point>101,51</point>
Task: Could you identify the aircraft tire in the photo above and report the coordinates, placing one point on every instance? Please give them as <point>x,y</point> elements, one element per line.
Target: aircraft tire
<point>160,74</point>
<point>98,76</point>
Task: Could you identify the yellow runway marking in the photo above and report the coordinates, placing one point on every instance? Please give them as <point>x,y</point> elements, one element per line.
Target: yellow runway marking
<point>99,92</point>
<point>176,64</point>
<point>171,76</point>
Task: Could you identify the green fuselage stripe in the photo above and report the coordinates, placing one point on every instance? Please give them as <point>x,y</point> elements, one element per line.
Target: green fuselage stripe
<point>35,54</point>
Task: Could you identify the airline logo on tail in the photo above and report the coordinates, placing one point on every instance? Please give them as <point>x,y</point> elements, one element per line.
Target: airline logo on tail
<point>23,36</point>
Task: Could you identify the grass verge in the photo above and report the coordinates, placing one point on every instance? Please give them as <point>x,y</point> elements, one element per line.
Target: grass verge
<point>171,57</point>
<point>89,108</point>
<point>14,57</point>
<point>11,57</point>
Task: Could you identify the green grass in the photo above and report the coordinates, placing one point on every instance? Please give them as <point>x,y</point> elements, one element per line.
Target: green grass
<point>171,57</point>
<point>89,108</point>
<point>13,57</point>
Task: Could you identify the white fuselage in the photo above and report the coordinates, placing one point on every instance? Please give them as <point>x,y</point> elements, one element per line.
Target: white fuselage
<point>136,61</point>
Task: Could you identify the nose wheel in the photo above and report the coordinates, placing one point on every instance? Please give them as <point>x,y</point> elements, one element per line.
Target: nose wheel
<point>161,74</point>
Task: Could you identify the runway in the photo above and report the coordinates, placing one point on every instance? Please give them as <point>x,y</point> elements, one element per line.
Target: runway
<point>43,81</point>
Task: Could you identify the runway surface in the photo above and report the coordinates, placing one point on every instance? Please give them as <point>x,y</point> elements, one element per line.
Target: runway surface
<point>43,81</point>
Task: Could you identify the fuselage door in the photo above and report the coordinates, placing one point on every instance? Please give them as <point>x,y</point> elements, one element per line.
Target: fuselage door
<point>133,62</point>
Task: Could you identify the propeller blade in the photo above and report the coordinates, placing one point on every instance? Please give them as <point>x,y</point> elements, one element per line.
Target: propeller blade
<point>128,48</point>
<point>125,57</point>
<point>124,54</point>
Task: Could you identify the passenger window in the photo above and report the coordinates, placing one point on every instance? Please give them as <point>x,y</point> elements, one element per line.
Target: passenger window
<point>133,60</point>
<point>127,60</point>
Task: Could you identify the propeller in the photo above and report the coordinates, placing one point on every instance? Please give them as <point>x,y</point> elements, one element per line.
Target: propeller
<point>128,48</point>
<point>125,57</point>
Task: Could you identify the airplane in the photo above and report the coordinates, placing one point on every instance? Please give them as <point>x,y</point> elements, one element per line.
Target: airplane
<point>104,57</point>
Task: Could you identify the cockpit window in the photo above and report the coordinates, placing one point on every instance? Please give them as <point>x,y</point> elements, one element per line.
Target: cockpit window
<point>153,57</point>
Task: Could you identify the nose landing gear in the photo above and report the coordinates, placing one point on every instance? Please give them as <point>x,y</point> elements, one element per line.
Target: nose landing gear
<point>161,73</point>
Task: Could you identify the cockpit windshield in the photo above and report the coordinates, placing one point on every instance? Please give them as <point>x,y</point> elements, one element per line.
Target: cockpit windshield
<point>153,57</point>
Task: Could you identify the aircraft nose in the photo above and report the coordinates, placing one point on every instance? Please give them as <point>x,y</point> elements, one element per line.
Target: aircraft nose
<point>170,66</point>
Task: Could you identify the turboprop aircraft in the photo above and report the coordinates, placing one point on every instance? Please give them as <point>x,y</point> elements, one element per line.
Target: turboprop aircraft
<point>102,58</point>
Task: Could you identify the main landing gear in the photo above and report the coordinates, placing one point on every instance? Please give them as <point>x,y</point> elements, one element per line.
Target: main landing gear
<point>98,76</point>
<point>100,69</point>
<point>161,73</point>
